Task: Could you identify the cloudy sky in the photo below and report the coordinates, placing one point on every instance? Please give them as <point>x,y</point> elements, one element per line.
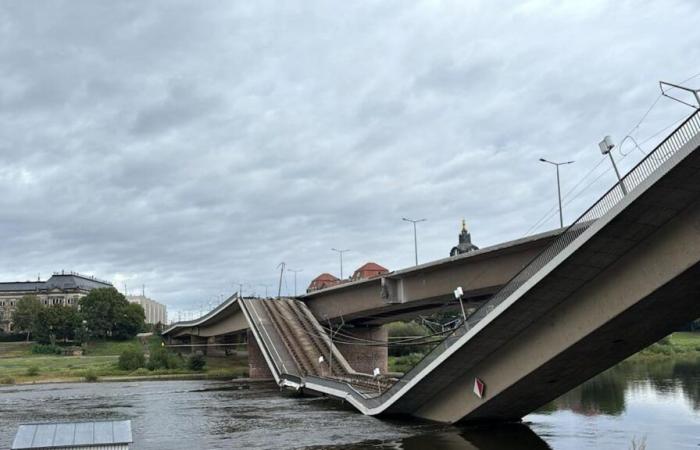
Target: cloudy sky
<point>192,146</point>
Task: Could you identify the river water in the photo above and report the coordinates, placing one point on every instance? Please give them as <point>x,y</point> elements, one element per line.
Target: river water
<point>655,404</point>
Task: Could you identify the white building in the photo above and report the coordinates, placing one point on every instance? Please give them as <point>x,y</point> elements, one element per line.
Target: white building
<point>155,312</point>
<point>64,288</point>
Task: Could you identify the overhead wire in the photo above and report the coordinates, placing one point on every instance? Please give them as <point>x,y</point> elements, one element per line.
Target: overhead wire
<point>552,212</point>
<point>638,145</point>
<point>399,341</point>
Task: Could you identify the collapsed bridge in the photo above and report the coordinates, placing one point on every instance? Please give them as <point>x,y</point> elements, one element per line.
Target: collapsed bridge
<point>566,306</point>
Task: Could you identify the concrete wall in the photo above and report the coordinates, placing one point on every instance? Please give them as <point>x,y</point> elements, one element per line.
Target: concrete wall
<point>257,366</point>
<point>364,358</point>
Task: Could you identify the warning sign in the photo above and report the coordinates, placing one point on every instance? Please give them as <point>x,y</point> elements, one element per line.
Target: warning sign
<point>479,387</point>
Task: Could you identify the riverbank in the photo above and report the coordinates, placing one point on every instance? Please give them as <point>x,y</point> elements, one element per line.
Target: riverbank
<point>18,365</point>
<point>682,345</point>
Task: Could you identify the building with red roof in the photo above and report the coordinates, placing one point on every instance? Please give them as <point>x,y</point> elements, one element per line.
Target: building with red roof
<point>323,281</point>
<point>369,270</point>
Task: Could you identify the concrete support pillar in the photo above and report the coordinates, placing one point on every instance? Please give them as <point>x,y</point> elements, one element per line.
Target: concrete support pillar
<point>257,366</point>
<point>216,350</point>
<point>365,358</point>
<point>198,344</point>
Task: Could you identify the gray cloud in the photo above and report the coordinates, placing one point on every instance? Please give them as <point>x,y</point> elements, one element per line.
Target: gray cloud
<point>192,147</point>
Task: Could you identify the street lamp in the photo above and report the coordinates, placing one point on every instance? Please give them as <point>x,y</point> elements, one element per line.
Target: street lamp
<point>265,286</point>
<point>415,234</point>
<point>240,289</point>
<point>340,252</point>
<point>605,146</point>
<point>556,164</point>
<point>295,278</point>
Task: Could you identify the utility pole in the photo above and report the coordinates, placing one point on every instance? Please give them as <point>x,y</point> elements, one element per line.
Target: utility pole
<point>240,288</point>
<point>279,287</point>
<point>415,234</point>
<point>340,252</point>
<point>556,164</point>
<point>606,145</point>
<point>295,278</point>
<point>265,286</point>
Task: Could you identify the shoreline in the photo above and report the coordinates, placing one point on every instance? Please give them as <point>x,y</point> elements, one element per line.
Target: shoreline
<point>164,377</point>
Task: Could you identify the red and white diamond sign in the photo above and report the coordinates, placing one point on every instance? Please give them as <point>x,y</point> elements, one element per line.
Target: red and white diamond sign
<point>479,387</point>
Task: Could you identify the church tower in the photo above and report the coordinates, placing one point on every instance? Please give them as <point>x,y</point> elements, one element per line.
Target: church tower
<point>465,242</point>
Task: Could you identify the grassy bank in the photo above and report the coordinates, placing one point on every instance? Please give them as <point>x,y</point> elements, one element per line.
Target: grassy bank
<point>19,365</point>
<point>677,345</point>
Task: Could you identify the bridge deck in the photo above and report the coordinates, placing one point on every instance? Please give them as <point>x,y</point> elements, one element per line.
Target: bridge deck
<point>577,264</point>
<point>624,274</point>
<point>299,347</point>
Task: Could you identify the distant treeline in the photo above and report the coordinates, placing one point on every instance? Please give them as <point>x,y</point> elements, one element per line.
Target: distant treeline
<point>102,314</point>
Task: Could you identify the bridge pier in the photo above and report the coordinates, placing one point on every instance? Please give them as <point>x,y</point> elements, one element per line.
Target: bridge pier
<point>198,344</point>
<point>257,366</point>
<point>364,358</point>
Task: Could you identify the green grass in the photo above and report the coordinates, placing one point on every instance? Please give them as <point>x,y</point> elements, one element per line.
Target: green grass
<point>682,344</point>
<point>19,364</point>
<point>15,349</point>
<point>109,348</point>
<point>57,367</point>
<point>686,341</point>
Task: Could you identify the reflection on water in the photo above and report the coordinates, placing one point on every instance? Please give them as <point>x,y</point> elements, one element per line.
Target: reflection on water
<point>606,393</point>
<point>658,402</point>
<point>508,436</point>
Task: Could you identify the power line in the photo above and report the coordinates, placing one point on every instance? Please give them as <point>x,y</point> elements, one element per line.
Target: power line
<point>551,212</point>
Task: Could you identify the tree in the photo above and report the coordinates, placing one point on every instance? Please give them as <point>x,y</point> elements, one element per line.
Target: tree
<point>99,309</point>
<point>57,322</point>
<point>129,321</point>
<point>108,314</point>
<point>26,314</point>
<point>67,321</point>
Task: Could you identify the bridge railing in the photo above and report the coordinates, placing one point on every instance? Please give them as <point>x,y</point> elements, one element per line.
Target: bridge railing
<point>669,147</point>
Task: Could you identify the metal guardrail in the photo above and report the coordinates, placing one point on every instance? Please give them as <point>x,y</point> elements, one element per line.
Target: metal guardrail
<point>662,153</point>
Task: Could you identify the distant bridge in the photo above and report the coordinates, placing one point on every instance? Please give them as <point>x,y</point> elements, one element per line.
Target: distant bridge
<point>625,274</point>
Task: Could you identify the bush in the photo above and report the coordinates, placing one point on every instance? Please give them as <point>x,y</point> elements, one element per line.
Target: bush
<point>90,376</point>
<point>162,359</point>
<point>407,330</point>
<point>131,359</point>
<point>196,362</point>
<point>47,349</point>
<point>404,363</point>
<point>140,372</point>
<point>7,380</point>
<point>32,371</point>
